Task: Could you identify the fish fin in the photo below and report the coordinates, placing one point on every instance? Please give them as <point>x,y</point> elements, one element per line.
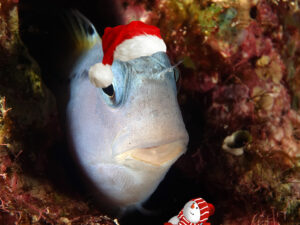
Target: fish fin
<point>82,34</point>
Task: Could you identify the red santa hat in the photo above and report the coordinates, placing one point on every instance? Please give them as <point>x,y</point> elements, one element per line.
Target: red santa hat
<point>125,42</point>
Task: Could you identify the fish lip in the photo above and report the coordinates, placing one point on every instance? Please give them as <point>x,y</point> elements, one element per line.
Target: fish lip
<point>154,154</point>
<point>159,143</point>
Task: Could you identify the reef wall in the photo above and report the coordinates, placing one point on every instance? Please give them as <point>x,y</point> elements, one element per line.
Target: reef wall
<point>239,92</point>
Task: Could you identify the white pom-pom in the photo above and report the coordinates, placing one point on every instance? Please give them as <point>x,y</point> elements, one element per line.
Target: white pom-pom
<point>101,75</point>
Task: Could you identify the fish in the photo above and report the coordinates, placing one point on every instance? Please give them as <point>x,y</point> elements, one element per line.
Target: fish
<point>125,137</point>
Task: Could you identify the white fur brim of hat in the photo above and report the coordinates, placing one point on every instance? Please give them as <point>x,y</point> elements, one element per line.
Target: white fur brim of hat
<point>142,45</point>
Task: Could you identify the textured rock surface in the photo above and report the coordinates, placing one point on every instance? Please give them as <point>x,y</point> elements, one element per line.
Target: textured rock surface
<point>28,124</point>
<point>240,74</point>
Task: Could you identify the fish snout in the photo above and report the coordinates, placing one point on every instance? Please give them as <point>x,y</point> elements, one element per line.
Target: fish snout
<point>156,155</point>
<point>157,147</point>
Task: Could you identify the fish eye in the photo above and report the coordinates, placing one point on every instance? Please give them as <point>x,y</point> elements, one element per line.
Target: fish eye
<point>90,30</point>
<point>109,90</point>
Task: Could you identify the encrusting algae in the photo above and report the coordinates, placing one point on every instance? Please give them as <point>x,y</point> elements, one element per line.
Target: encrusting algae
<point>241,69</point>
<point>28,126</point>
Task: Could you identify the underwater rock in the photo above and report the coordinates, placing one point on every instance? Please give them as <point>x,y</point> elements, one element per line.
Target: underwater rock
<point>240,71</point>
<point>28,127</point>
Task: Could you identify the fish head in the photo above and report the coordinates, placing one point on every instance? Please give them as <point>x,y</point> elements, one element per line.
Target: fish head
<point>132,134</point>
<point>124,136</point>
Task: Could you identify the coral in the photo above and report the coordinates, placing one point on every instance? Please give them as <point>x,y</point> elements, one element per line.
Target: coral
<point>28,124</point>
<point>240,72</point>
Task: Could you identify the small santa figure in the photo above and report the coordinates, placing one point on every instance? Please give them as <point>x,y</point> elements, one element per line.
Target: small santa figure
<point>195,212</point>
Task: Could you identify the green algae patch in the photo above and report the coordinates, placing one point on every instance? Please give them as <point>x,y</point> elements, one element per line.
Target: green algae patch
<point>208,18</point>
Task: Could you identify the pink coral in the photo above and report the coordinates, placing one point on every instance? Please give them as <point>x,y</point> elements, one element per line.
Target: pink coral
<point>244,76</point>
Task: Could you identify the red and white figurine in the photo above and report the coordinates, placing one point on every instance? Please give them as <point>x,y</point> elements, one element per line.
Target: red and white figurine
<point>195,212</point>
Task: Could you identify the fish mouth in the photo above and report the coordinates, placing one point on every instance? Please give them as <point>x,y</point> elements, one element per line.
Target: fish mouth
<point>155,155</point>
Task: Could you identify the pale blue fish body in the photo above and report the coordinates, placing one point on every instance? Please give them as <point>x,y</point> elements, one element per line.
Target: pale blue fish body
<point>125,144</point>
